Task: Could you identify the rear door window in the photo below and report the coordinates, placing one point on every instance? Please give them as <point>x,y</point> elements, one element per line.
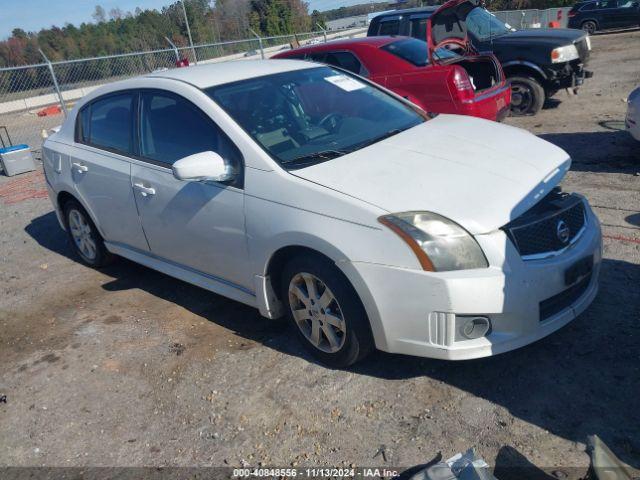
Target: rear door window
<point>108,123</point>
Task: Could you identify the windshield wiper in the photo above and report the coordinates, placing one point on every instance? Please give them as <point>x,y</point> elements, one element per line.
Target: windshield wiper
<point>324,155</point>
<point>312,158</point>
<point>388,134</point>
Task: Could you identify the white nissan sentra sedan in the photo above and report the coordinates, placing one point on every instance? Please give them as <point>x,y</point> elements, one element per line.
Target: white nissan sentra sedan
<point>307,192</point>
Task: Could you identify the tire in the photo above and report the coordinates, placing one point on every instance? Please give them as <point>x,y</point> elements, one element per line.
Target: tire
<point>335,307</point>
<point>527,96</point>
<point>85,239</point>
<point>589,26</point>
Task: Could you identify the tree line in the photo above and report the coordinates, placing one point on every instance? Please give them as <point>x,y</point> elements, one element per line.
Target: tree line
<point>117,31</point>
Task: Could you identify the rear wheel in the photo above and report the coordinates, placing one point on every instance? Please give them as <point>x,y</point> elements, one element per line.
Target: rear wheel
<point>325,311</point>
<point>85,238</point>
<point>527,96</point>
<point>589,26</point>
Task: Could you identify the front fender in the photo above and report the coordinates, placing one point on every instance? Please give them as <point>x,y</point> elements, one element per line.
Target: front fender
<point>268,303</point>
<point>523,64</point>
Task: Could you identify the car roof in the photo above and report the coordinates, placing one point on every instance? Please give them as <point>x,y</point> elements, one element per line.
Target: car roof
<point>212,74</point>
<point>332,44</point>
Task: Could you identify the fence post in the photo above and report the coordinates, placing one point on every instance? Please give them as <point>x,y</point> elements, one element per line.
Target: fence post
<point>324,32</point>
<point>175,49</point>
<point>259,42</point>
<point>55,82</point>
<point>186,21</point>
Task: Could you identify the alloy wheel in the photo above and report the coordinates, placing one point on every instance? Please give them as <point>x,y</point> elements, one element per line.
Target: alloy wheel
<point>82,235</point>
<point>317,313</point>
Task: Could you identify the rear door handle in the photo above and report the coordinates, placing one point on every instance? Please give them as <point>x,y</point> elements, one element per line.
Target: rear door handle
<point>144,191</point>
<point>80,167</point>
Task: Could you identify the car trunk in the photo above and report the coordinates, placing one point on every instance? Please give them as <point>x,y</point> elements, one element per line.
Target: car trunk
<point>484,72</point>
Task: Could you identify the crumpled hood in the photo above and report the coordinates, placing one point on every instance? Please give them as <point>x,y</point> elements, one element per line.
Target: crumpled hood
<point>478,173</point>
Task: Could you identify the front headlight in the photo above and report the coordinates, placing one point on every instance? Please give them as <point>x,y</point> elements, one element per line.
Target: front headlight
<point>564,54</point>
<point>588,42</point>
<point>440,244</point>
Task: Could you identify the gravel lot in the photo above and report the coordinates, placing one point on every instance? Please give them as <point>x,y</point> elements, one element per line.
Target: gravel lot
<point>128,367</point>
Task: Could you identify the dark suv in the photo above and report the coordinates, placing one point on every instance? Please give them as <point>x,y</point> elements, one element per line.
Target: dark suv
<point>537,62</point>
<point>594,15</point>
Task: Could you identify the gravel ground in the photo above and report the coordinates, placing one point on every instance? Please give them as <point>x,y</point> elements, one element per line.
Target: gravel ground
<point>128,367</point>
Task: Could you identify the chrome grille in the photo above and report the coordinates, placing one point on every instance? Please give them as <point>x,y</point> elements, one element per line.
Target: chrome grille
<point>537,233</point>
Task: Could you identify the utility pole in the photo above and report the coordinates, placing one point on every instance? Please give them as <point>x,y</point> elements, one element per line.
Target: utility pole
<point>186,21</point>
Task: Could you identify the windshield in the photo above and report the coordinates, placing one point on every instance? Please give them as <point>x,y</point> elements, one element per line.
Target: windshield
<point>483,25</point>
<point>416,51</point>
<point>313,115</point>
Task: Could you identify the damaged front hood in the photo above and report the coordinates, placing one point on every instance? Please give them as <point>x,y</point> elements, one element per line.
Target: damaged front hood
<point>478,173</point>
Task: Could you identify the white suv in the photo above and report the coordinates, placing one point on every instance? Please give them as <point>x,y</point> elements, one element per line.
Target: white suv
<point>305,191</point>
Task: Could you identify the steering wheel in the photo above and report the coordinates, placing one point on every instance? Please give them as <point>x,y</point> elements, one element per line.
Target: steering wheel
<point>332,121</point>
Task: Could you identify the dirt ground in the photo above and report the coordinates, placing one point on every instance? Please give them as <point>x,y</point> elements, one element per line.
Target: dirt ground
<point>128,367</point>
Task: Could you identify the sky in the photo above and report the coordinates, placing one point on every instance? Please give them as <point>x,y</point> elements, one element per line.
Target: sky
<point>32,15</point>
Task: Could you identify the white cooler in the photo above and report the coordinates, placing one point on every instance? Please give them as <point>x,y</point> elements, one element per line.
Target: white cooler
<point>16,159</point>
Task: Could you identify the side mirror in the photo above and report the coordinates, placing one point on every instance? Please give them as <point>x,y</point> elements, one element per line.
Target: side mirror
<point>203,166</point>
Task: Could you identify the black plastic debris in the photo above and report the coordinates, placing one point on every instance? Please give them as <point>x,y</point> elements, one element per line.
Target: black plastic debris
<point>177,348</point>
<point>463,466</point>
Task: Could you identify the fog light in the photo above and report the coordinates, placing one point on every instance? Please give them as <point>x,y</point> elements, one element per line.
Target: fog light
<point>473,327</point>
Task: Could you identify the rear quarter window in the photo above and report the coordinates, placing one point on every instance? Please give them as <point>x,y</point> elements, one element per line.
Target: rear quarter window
<point>605,4</point>
<point>587,7</point>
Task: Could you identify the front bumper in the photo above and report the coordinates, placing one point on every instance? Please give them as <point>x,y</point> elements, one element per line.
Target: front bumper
<point>417,310</point>
<point>567,75</point>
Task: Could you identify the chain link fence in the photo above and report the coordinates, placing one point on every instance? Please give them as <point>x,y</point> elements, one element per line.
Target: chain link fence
<point>534,18</point>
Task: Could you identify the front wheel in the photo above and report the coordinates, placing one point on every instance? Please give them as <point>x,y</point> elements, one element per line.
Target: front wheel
<point>325,311</point>
<point>527,96</point>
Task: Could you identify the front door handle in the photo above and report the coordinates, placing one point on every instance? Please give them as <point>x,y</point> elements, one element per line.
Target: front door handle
<point>80,167</point>
<point>144,191</point>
